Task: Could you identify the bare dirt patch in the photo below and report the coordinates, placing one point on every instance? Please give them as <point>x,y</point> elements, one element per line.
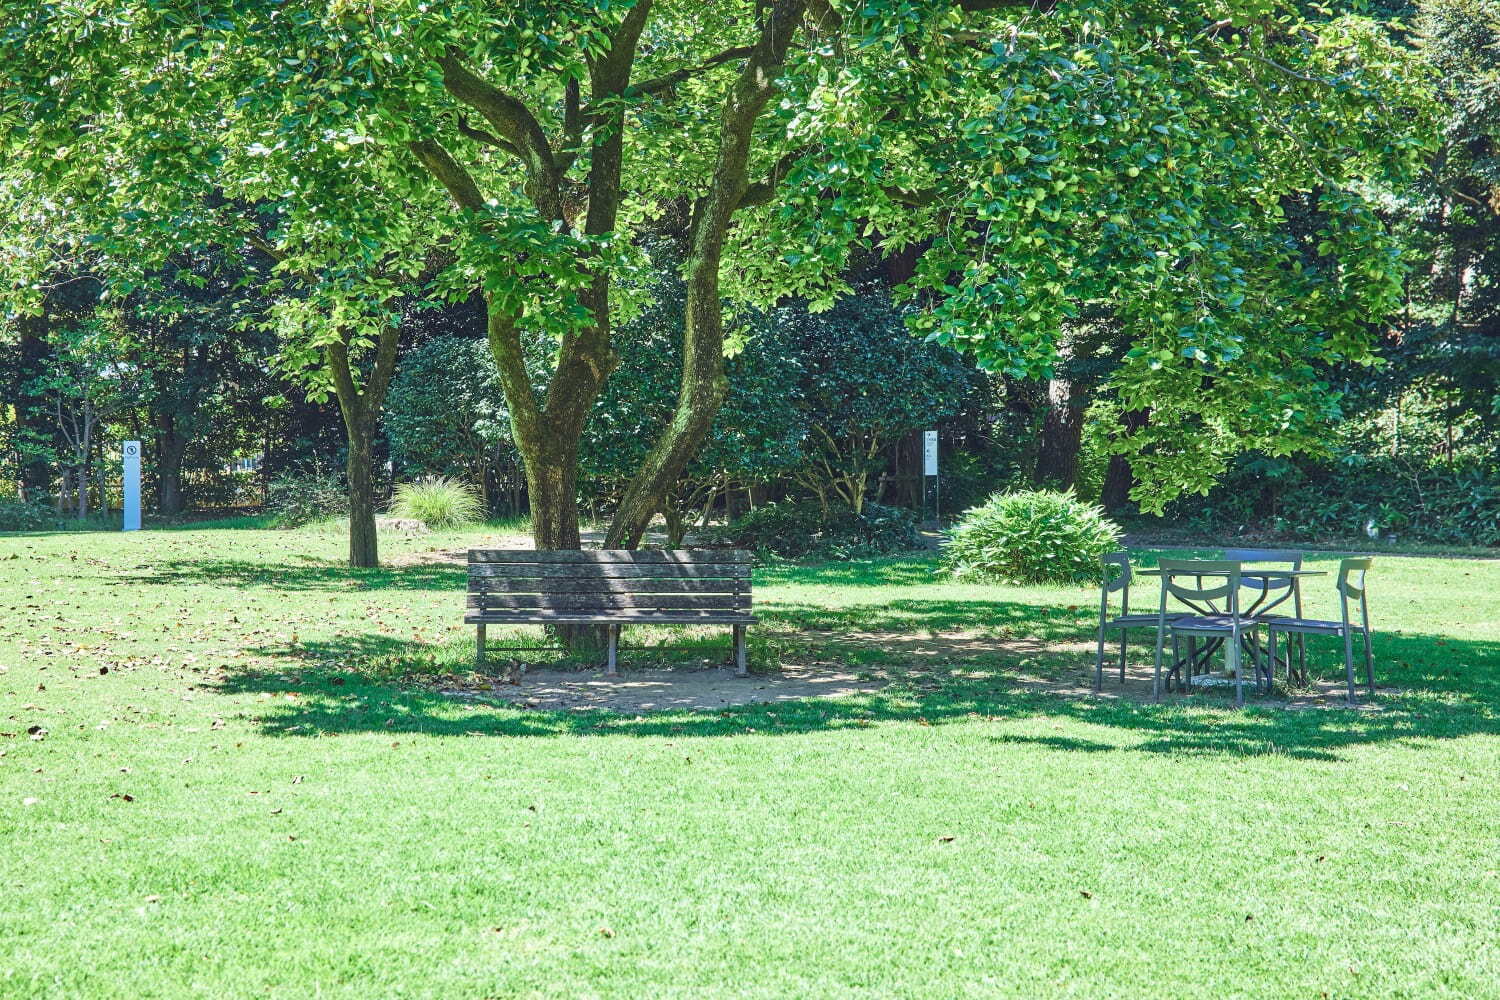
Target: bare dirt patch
<point>638,691</point>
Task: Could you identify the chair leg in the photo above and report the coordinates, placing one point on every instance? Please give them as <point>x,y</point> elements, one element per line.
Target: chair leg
<point>1349,662</point>
<point>610,665</point>
<point>1123,634</point>
<point>1156,676</point>
<point>1233,646</point>
<point>1099,661</point>
<point>1270,657</point>
<point>1176,662</point>
<point>479,650</point>
<point>1192,664</point>
<point>1369,664</point>
<point>741,662</point>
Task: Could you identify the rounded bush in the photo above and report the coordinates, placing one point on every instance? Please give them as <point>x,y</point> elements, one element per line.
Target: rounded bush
<point>438,502</point>
<point>1038,536</point>
<point>302,497</point>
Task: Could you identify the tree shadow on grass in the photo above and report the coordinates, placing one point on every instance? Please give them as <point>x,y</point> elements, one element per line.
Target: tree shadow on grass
<point>381,684</point>
<point>300,573</point>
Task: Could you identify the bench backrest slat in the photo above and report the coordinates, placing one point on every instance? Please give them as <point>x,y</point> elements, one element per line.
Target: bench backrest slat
<point>571,581</point>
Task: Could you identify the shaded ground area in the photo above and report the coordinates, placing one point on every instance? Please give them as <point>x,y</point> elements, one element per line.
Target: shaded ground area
<point>921,662</point>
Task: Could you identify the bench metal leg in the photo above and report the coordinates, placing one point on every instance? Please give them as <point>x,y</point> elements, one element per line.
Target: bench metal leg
<point>479,651</point>
<point>1369,664</point>
<point>610,667</point>
<point>741,663</point>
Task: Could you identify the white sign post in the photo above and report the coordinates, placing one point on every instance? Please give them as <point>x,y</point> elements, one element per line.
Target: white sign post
<point>132,484</point>
<point>930,468</point>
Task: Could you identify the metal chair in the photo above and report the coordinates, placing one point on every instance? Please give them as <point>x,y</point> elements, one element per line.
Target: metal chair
<point>1117,577</point>
<point>1266,589</point>
<point>1351,585</point>
<point>1226,624</point>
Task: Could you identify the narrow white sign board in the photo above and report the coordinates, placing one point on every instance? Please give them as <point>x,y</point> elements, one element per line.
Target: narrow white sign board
<point>132,505</point>
<point>929,453</point>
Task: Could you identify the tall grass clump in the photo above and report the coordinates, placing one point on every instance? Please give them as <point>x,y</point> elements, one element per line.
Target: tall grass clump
<point>1035,536</point>
<point>438,502</point>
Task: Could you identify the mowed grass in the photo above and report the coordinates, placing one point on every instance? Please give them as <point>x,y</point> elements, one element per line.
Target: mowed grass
<point>240,790</point>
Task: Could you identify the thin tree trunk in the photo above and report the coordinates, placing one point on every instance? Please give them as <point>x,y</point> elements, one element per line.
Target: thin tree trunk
<point>360,408</point>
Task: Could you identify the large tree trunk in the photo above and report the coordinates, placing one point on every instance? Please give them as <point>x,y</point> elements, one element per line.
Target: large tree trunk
<point>170,448</point>
<point>1118,477</point>
<point>1062,434</point>
<point>1068,398</point>
<point>552,484</point>
<point>363,544</point>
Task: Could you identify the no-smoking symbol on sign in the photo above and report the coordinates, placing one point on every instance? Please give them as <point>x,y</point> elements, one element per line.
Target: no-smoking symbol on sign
<point>132,449</point>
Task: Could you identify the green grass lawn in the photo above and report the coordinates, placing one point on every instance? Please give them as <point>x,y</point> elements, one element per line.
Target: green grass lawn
<point>239,790</point>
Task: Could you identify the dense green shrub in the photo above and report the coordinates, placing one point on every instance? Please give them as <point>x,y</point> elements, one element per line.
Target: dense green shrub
<point>799,530</point>
<point>1353,497</point>
<point>19,515</point>
<point>1038,536</point>
<point>438,502</point>
<point>297,498</point>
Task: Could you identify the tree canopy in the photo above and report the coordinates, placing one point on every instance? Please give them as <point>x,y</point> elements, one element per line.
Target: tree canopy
<point>1212,174</point>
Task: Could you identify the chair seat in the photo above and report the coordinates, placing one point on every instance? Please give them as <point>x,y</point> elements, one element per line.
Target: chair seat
<point>1131,621</point>
<point>1210,624</point>
<point>1279,623</point>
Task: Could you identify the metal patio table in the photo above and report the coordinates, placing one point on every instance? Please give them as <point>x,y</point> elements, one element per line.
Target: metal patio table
<point>1269,597</point>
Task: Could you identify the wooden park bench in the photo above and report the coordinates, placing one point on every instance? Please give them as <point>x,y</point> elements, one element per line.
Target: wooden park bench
<point>611,587</point>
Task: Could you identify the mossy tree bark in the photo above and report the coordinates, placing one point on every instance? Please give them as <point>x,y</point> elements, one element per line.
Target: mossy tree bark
<point>703,382</point>
<point>547,432</point>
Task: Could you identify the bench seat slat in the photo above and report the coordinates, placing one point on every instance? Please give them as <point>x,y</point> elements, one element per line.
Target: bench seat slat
<point>534,617</point>
<point>608,556</point>
<point>604,602</point>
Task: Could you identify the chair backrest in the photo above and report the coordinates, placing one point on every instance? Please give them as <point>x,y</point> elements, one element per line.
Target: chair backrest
<point>1266,557</point>
<point>1115,578</point>
<point>1351,586</point>
<point>1203,590</point>
<point>1352,576</point>
<point>1116,570</point>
